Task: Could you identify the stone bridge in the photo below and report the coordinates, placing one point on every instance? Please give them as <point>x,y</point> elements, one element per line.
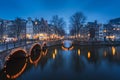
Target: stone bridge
<point>37,48</point>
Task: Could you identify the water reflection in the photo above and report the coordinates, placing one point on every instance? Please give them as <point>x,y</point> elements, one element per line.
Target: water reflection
<point>95,62</point>
<point>113,50</point>
<point>54,54</point>
<point>105,53</point>
<point>67,45</point>
<point>88,54</point>
<point>55,51</point>
<point>79,52</point>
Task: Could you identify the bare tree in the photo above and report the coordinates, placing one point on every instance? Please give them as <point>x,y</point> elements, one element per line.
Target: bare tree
<point>59,24</point>
<point>76,21</point>
<point>54,20</point>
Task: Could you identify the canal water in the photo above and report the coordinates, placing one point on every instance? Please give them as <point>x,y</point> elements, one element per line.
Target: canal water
<point>75,63</point>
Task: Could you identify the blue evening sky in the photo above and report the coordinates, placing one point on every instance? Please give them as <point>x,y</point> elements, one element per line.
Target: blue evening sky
<point>102,10</point>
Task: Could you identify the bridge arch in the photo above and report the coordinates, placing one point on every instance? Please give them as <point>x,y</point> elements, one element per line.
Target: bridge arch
<point>44,44</point>
<point>12,62</point>
<point>44,48</point>
<point>35,53</point>
<point>19,51</point>
<point>70,47</point>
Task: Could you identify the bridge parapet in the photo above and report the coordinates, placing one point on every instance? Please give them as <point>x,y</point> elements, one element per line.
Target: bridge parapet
<point>4,54</point>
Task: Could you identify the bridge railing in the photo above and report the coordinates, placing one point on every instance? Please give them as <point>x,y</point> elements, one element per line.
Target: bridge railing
<point>10,45</point>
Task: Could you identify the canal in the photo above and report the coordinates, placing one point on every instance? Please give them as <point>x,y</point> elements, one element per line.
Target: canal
<point>68,62</point>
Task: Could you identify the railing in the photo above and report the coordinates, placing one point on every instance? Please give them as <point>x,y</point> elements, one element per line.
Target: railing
<point>11,45</point>
<point>21,43</point>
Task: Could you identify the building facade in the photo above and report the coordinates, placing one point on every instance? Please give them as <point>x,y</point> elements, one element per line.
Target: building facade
<point>29,29</point>
<point>112,30</point>
<point>101,32</point>
<point>93,28</point>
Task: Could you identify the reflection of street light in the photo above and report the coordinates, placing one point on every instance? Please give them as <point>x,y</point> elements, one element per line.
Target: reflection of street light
<point>53,56</point>
<point>79,52</point>
<point>89,54</point>
<point>55,51</point>
<point>105,53</point>
<point>113,51</point>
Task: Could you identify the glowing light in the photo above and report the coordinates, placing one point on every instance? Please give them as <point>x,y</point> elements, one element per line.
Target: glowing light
<point>43,44</point>
<point>8,76</point>
<point>113,51</point>
<point>88,34</point>
<point>55,51</point>
<point>113,28</point>
<point>118,29</point>
<point>14,51</point>
<point>44,53</point>
<point>5,36</point>
<point>36,61</point>
<point>28,35</point>
<point>105,53</point>
<point>79,52</point>
<point>66,49</point>
<point>36,23</point>
<point>112,37</point>
<point>105,31</point>
<point>71,48</point>
<point>89,54</point>
<point>36,36</point>
<point>5,66</point>
<point>53,56</point>
<point>43,36</point>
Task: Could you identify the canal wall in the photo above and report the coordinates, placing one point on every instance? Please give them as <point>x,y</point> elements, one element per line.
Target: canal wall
<point>96,43</point>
